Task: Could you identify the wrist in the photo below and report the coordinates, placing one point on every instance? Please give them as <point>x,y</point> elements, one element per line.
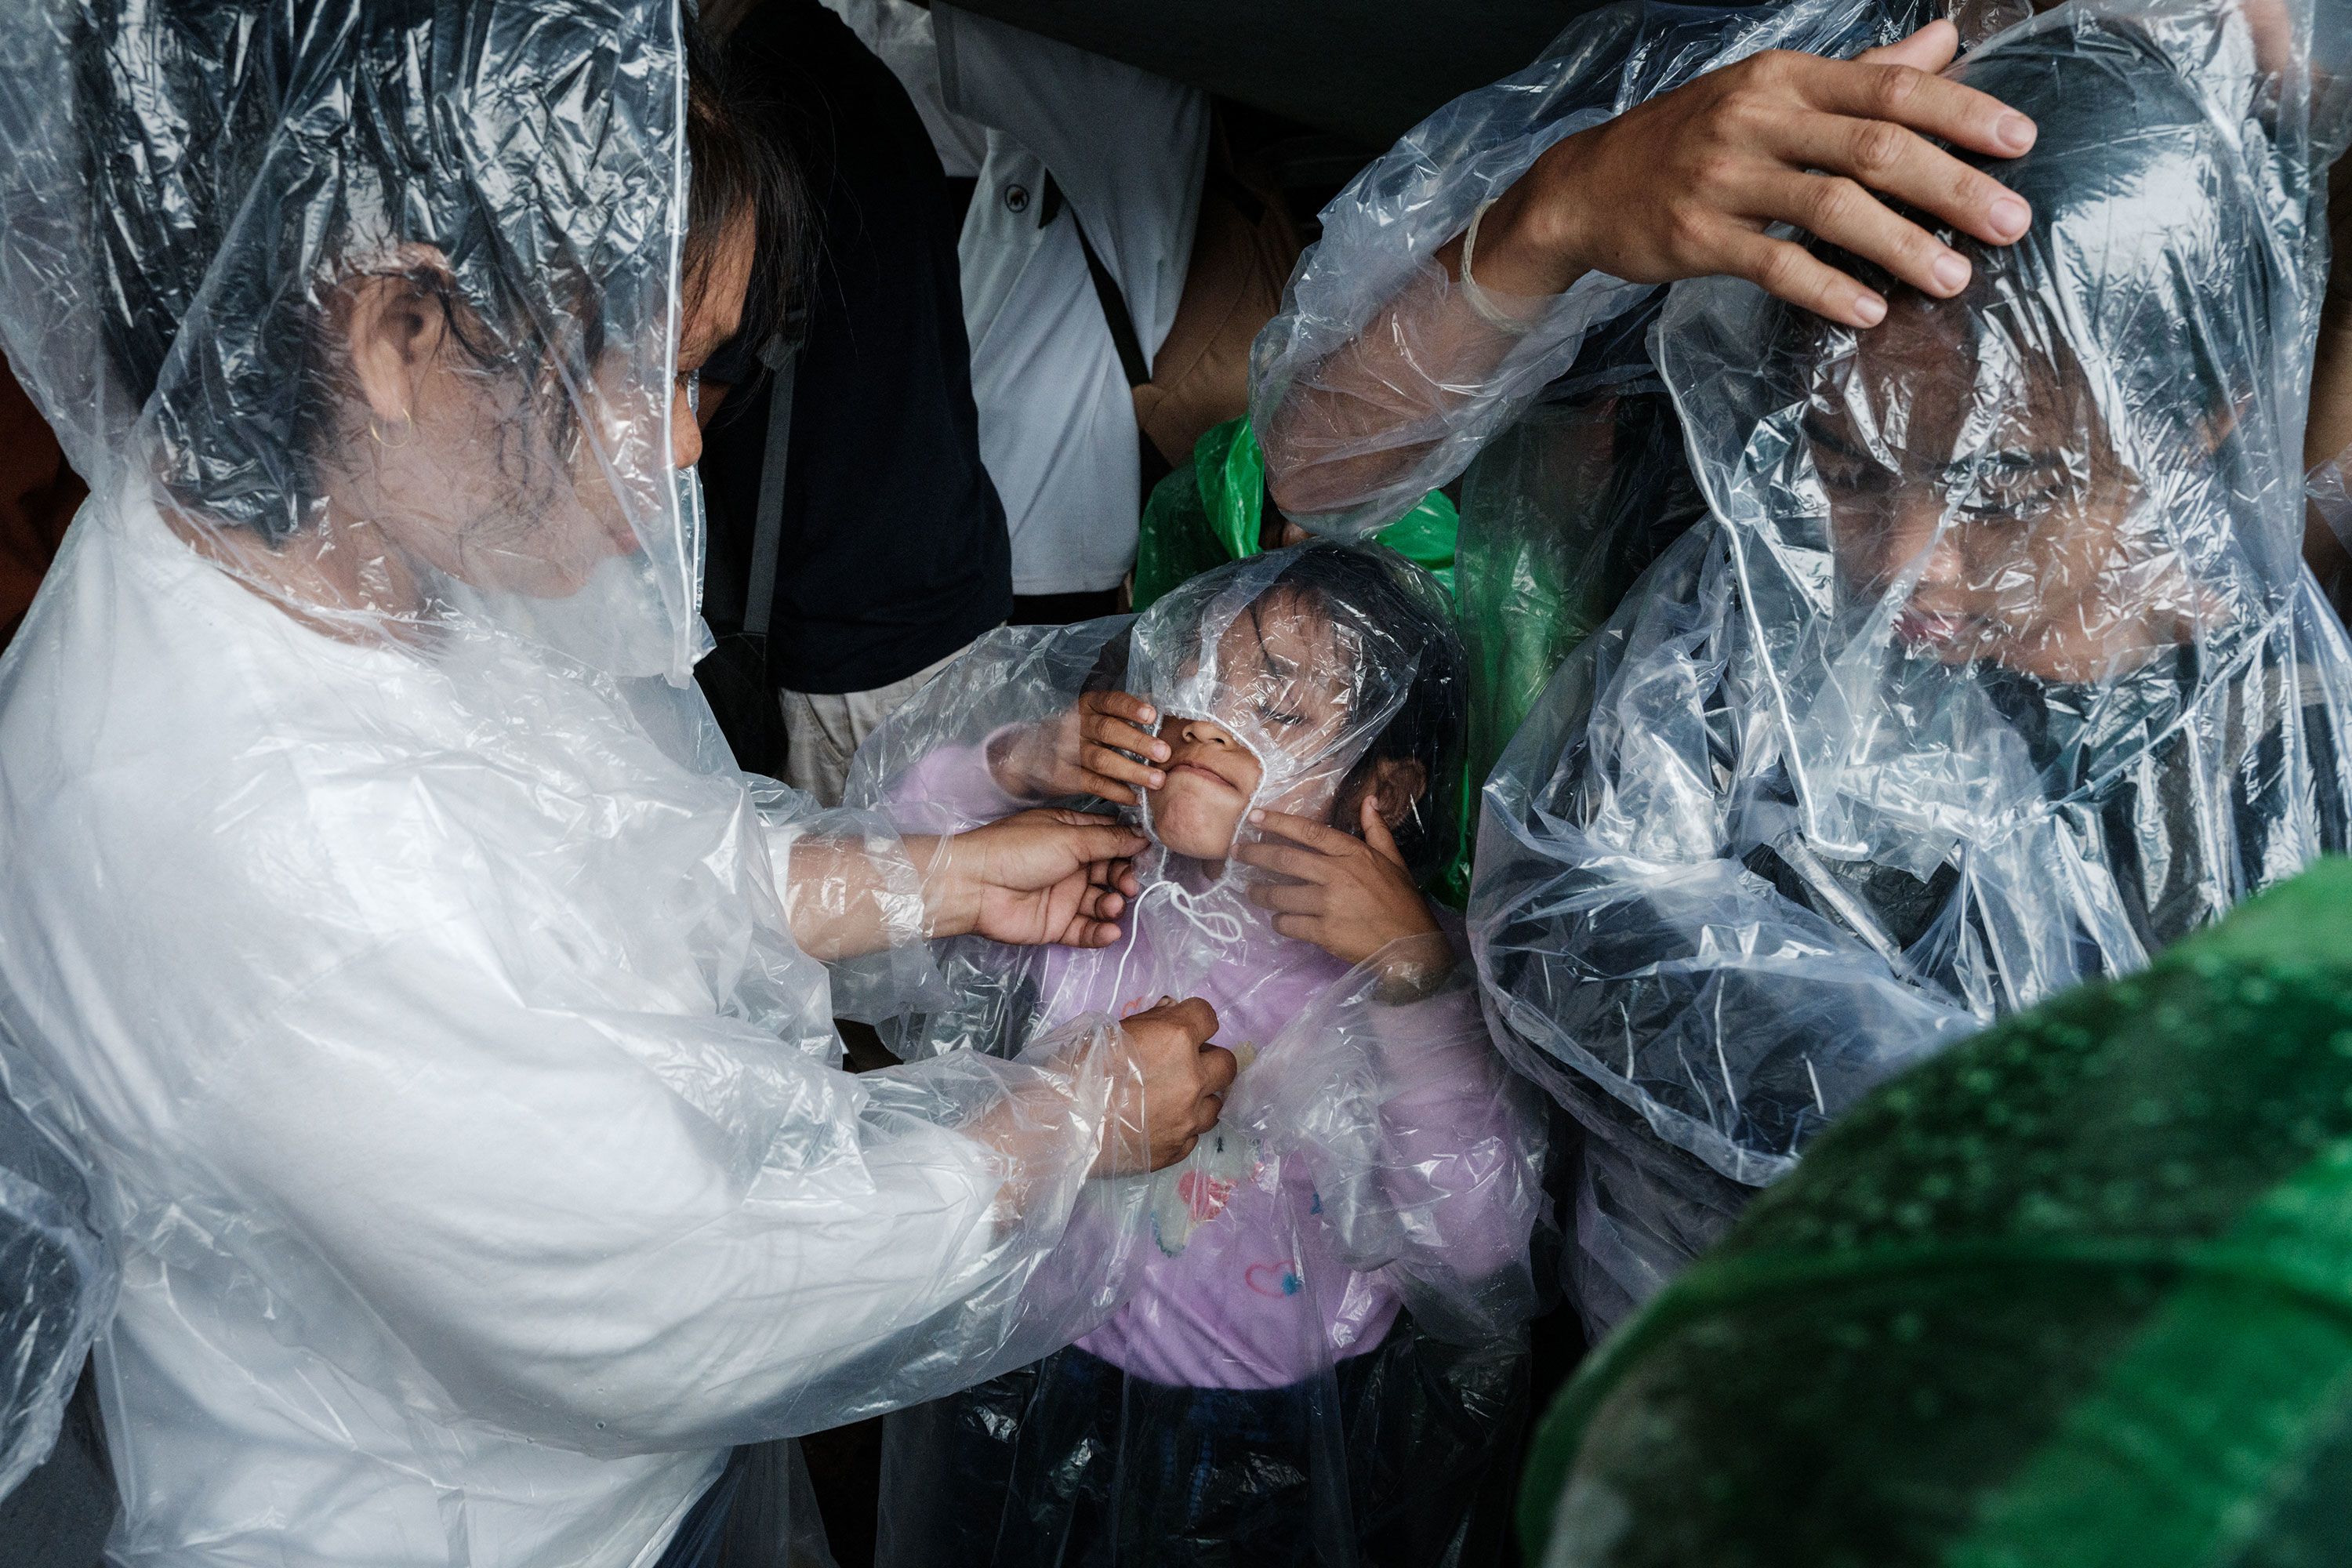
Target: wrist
<point>951,890</point>
<point>1530,239</point>
<point>1413,964</point>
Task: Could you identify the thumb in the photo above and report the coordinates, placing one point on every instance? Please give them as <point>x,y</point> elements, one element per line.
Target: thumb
<point>1930,48</point>
<point>1377,834</point>
<point>1100,840</point>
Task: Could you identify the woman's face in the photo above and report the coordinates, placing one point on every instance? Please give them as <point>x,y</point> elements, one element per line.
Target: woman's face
<point>1282,681</point>
<point>1982,474</point>
<point>494,480</point>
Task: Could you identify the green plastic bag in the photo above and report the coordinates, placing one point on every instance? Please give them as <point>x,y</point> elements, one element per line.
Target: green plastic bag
<point>1215,512</point>
<point>2077,1294</point>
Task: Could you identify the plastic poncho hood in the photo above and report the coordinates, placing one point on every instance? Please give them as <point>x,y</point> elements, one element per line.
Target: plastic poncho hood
<point>2059,495</point>
<point>189,249</point>
<point>1319,661</point>
<point>1994,669</point>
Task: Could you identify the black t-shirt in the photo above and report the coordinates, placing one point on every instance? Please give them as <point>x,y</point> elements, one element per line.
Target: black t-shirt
<point>894,551</point>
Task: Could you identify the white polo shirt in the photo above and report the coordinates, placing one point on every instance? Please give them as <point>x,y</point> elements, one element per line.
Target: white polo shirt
<point>1127,152</point>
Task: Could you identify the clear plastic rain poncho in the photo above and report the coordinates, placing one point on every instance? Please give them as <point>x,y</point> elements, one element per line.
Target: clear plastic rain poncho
<point>430,998</point>
<point>56,1288</point>
<point>1995,668</point>
<point>1323,1348</point>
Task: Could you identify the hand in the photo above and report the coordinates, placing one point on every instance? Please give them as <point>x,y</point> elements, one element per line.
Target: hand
<point>1176,1091</point>
<point>1083,751</point>
<point>1686,184</point>
<point>1350,896</point>
<point>1040,876</point>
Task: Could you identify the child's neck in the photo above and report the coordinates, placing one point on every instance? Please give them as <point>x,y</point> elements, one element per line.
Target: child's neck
<point>1194,875</point>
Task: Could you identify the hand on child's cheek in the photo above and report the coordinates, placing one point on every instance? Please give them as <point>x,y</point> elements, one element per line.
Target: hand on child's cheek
<point>1350,896</point>
<point>1110,726</point>
<point>1084,751</point>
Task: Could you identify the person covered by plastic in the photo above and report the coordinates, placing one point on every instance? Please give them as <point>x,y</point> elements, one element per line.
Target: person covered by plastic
<point>1994,669</point>
<point>1477,308</point>
<point>1321,1361</point>
<point>444,1020</point>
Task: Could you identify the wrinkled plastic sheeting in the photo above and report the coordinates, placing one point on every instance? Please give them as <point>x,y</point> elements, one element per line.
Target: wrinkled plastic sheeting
<point>1995,668</point>
<point>2328,489</point>
<point>2073,1293</point>
<point>430,1000</point>
<point>57,1281</point>
<point>1561,511</point>
<point>1374,1142</point>
<point>1371,320</point>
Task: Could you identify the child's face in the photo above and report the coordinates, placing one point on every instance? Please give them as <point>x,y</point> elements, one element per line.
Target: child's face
<point>1988,471</point>
<point>1281,688</point>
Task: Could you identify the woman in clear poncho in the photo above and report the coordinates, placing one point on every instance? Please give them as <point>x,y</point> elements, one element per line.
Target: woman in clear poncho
<point>443,1022</point>
<point>1321,1361</point>
<point>1995,668</point>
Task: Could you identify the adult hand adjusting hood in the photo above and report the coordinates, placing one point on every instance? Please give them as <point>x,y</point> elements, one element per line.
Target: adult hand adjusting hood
<point>1995,668</point>
<point>384,923</point>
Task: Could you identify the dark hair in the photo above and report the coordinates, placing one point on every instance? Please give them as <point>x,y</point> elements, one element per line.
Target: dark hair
<point>1387,602</point>
<point>741,167</point>
<point>343,108</point>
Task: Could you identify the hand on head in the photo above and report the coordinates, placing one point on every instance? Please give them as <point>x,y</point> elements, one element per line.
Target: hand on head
<point>1687,184</point>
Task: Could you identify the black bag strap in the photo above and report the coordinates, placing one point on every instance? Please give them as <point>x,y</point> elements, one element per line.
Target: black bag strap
<point>1123,337</point>
<point>782,356</point>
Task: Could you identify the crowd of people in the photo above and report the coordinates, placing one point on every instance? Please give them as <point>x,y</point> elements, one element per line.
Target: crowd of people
<point>616,583</point>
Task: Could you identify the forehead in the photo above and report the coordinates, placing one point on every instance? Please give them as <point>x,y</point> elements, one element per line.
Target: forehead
<point>1282,633</point>
<point>714,310</point>
<point>1939,376</point>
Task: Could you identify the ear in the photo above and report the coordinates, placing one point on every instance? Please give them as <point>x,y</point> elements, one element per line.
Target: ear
<point>1398,784</point>
<point>396,327</point>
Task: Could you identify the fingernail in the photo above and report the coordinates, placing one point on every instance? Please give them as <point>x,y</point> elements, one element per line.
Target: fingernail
<point>2015,131</point>
<point>1258,815</point>
<point>1951,271</point>
<point>1158,780</point>
<point>1160,750</point>
<point>1869,310</point>
<point>2010,215</point>
<point>1149,714</point>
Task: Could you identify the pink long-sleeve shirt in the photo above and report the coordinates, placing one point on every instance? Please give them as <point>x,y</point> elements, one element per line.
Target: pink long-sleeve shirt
<point>1247,1283</point>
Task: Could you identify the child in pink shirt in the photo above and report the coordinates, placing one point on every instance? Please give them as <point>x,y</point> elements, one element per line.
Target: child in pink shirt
<point>1321,1360</point>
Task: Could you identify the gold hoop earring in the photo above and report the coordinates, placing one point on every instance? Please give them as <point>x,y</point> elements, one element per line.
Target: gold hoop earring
<point>408,437</point>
